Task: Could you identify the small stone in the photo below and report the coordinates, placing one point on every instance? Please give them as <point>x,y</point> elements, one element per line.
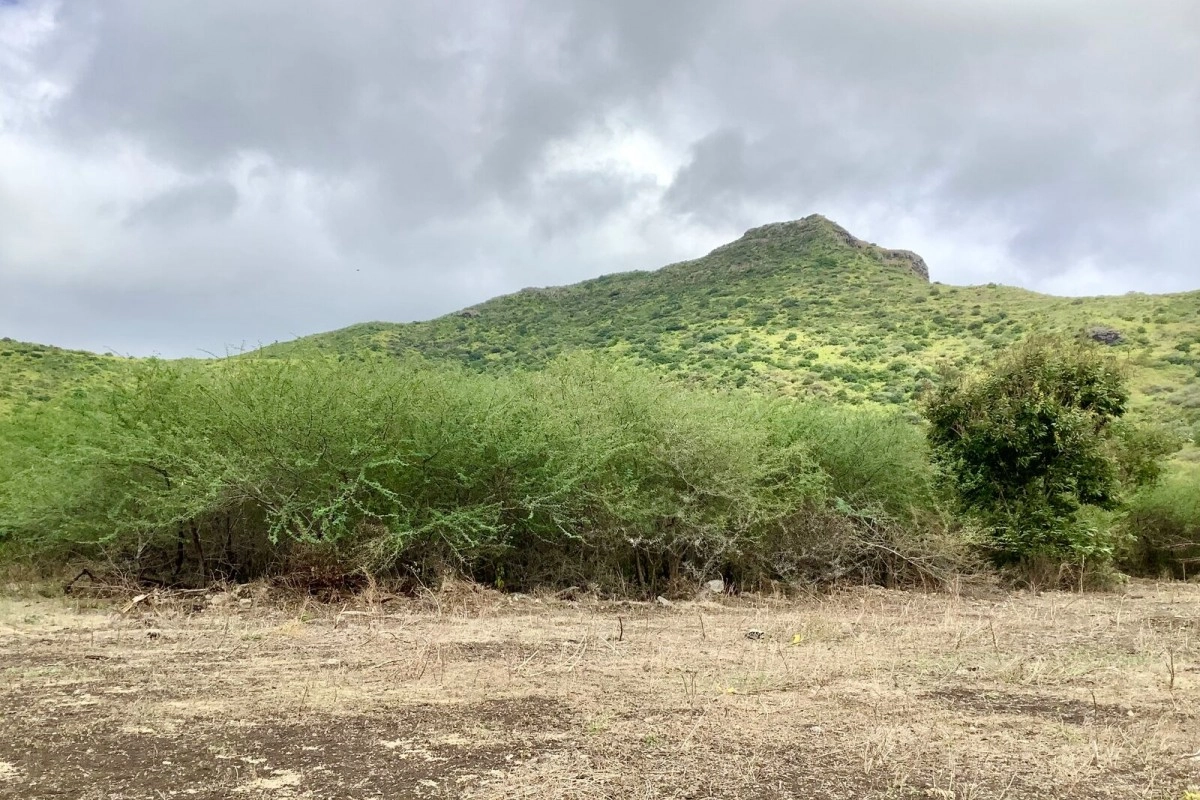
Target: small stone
<point>662,601</point>
<point>716,586</point>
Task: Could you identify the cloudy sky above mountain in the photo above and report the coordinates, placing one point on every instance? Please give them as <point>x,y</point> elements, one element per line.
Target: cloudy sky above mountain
<point>185,176</point>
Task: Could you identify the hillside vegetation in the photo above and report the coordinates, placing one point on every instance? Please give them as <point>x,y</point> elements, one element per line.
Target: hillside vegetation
<point>802,308</point>
<point>752,414</point>
<point>799,308</point>
<point>33,373</point>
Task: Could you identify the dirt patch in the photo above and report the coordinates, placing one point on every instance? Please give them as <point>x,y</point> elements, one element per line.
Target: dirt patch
<point>425,751</point>
<point>991,701</point>
<point>485,651</point>
<point>1179,622</point>
<point>863,694</point>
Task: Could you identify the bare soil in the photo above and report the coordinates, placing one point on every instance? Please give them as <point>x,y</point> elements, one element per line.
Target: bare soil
<point>865,693</point>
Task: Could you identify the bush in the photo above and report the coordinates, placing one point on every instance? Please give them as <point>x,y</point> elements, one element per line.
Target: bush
<point>1139,451</point>
<point>1025,446</point>
<point>583,473</point>
<point>1163,527</point>
<point>875,460</point>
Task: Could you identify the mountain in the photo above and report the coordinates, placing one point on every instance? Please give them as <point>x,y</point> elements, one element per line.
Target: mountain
<point>803,308</point>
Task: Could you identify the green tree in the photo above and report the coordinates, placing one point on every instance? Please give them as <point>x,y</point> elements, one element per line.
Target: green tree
<point>1025,446</point>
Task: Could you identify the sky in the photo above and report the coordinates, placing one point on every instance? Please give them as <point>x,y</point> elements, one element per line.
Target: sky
<point>180,177</point>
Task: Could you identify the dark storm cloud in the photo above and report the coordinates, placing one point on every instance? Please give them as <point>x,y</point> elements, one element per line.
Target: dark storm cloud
<point>226,172</point>
<point>201,82</point>
<point>717,178</point>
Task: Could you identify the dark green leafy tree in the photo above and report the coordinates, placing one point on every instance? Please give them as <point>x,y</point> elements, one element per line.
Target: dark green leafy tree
<point>1025,446</point>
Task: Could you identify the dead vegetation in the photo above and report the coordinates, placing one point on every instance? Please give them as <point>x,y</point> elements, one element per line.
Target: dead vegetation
<point>865,693</point>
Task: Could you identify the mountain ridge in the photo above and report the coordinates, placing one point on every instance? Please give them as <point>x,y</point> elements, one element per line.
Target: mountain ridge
<point>805,225</point>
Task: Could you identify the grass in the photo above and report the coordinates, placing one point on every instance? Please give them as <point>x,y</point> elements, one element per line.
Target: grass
<point>469,693</point>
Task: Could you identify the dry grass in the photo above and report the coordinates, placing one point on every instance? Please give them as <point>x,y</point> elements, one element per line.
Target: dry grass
<point>862,694</point>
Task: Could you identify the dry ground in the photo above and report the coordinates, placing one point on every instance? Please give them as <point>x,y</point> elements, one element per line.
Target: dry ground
<point>861,694</point>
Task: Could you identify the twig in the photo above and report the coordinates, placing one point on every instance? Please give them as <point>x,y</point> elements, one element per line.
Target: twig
<point>785,686</point>
<point>578,655</point>
<point>71,585</point>
<point>387,663</point>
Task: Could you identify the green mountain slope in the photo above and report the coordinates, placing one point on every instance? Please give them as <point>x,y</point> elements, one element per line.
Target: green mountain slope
<point>31,373</point>
<point>801,308</point>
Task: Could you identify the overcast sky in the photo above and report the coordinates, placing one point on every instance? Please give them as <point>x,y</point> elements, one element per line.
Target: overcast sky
<point>180,176</point>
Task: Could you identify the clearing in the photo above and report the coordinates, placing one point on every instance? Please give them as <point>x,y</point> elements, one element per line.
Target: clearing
<point>864,693</point>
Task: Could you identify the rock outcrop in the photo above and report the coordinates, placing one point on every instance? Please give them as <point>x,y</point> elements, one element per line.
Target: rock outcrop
<point>815,226</point>
<point>1104,334</point>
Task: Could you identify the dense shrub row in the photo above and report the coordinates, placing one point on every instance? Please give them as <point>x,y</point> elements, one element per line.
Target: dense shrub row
<point>583,473</point>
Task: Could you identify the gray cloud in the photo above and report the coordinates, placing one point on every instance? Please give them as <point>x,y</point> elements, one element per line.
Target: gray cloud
<point>571,202</point>
<point>1071,125</point>
<point>178,176</point>
<point>204,201</point>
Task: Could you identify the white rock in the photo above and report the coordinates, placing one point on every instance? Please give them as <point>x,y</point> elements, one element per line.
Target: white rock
<point>716,586</point>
